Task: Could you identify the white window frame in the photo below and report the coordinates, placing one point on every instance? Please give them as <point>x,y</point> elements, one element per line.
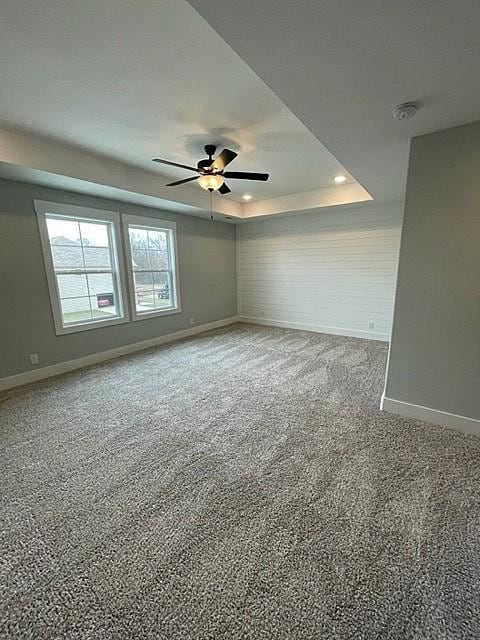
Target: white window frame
<point>160,225</point>
<point>43,208</point>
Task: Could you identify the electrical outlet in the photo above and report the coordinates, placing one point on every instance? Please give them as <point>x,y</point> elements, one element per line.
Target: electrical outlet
<point>192,321</point>
<point>371,324</point>
<point>34,359</point>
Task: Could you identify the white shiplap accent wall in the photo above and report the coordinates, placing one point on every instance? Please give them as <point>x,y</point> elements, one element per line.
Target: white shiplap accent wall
<point>333,272</point>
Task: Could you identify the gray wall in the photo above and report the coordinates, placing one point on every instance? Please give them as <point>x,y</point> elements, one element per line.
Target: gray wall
<point>435,349</point>
<point>207,281</point>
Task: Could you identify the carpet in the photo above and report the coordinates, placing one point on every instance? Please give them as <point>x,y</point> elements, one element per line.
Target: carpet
<point>241,484</point>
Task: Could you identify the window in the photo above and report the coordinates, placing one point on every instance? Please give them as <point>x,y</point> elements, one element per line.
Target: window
<point>152,266</point>
<point>82,252</point>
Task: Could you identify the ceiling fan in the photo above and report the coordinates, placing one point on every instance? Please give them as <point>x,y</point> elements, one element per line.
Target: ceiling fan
<point>212,172</point>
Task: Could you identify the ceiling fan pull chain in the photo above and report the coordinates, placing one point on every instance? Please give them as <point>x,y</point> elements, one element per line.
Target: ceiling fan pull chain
<point>211,204</point>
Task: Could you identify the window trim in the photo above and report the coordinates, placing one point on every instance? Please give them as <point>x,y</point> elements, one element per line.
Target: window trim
<point>151,223</point>
<point>42,209</point>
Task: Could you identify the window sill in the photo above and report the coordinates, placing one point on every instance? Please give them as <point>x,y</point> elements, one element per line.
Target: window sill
<point>76,328</point>
<point>155,314</point>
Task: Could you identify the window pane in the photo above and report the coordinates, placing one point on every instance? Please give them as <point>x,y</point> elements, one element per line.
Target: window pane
<point>97,258</point>
<point>76,310</point>
<point>160,280</point>
<point>151,262</point>
<point>102,295</point>
<point>94,234</point>
<point>145,300</point>
<point>140,259</point>
<point>62,231</point>
<point>138,239</point>
<point>158,260</point>
<point>143,280</point>
<point>100,283</point>
<point>103,305</point>
<point>84,258</point>
<point>162,291</point>
<point>72,286</point>
<point>67,257</point>
<point>143,291</point>
<point>98,314</point>
<point>157,240</point>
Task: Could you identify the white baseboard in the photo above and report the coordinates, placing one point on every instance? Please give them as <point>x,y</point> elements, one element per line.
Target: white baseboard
<point>417,412</point>
<point>316,328</point>
<point>94,358</point>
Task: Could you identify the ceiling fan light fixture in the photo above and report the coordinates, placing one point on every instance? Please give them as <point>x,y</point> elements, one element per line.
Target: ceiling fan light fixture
<point>212,172</point>
<point>210,182</point>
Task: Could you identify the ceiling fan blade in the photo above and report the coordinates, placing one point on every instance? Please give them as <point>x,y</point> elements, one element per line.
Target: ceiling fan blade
<point>175,164</point>
<point>223,159</point>
<point>245,175</point>
<point>224,189</point>
<point>174,184</point>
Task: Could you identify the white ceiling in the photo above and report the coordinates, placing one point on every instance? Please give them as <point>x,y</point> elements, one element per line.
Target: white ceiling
<point>92,90</point>
<point>136,80</point>
<point>342,65</point>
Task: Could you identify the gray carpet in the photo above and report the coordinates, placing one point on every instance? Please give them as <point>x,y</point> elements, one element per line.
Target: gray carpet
<point>241,484</point>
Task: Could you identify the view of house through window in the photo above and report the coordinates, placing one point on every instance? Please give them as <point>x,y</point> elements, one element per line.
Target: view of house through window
<point>84,268</point>
<point>152,262</point>
<point>86,271</point>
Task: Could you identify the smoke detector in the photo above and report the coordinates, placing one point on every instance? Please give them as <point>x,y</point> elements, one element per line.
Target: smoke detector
<point>405,111</point>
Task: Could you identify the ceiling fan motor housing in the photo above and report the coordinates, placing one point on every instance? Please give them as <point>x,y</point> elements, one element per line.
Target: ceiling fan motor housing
<point>204,165</point>
<point>210,149</point>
